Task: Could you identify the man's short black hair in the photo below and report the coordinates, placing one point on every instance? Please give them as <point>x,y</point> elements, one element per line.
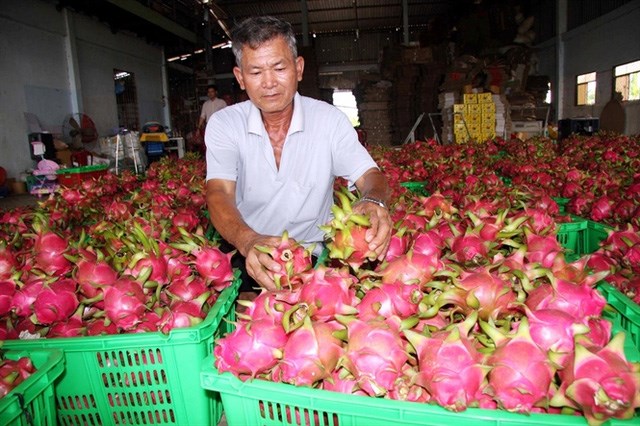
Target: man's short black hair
<point>212,86</point>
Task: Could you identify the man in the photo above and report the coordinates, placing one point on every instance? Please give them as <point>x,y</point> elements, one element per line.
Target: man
<point>272,160</point>
<point>210,106</point>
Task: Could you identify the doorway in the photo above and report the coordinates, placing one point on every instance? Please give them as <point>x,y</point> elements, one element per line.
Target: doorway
<point>126,99</point>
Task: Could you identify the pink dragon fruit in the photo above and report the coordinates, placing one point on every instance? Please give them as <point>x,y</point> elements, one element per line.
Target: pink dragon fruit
<point>578,300</point>
<point>330,291</point>
<point>555,331</point>
<point>469,248</point>
<point>342,381</point>
<point>409,268</point>
<point>252,349</point>
<point>55,302</point>
<point>483,291</point>
<point>427,243</point>
<point>346,234</point>
<point>601,384</point>
<point>395,299</point>
<point>8,262</point>
<point>598,336</point>
<point>310,354</point>
<point>521,373</point>
<point>601,209</point>
<point>182,314</point>
<point>124,302</point>
<point>49,250</point>
<point>374,355</point>
<point>398,245</point>
<point>451,369</point>
<point>270,305</point>
<point>542,249</point>
<point>293,259</point>
<point>7,290</point>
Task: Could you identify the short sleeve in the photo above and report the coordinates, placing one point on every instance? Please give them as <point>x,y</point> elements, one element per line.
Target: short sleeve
<point>350,159</point>
<point>222,150</point>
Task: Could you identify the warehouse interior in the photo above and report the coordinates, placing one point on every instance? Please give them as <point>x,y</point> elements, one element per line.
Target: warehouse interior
<point>404,61</point>
<point>454,241</point>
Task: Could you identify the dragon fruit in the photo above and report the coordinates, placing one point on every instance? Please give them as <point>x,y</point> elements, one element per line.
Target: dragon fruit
<point>409,268</point>
<point>346,234</point>
<point>342,381</point>
<point>292,257</point>
<point>451,368</point>
<point>251,349</point>
<point>55,302</point>
<point>578,300</point>
<point>521,373</point>
<point>391,299</point>
<point>601,383</point>
<point>555,331</point>
<point>124,302</point>
<point>374,355</point>
<point>330,291</point>
<point>310,354</point>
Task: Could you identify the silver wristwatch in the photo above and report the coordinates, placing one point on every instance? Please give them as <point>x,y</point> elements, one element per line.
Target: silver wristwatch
<point>374,201</point>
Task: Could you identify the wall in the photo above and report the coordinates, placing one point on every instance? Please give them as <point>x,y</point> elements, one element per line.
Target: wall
<point>599,46</point>
<point>37,76</point>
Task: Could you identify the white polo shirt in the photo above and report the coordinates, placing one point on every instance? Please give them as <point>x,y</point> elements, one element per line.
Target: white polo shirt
<point>321,144</point>
<point>212,106</point>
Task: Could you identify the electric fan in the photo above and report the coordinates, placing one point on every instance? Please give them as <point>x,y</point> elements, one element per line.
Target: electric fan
<point>79,129</point>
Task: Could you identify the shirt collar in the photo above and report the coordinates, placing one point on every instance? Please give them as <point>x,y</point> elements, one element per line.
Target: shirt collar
<point>256,126</point>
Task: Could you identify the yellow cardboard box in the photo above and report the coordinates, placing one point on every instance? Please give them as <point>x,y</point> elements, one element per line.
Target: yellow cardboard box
<point>459,108</point>
<point>470,98</point>
<point>484,98</point>
<point>488,107</point>
<point>474,108</point>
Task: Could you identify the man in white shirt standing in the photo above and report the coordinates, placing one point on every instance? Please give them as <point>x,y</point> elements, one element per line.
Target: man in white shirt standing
<point>210,106</point>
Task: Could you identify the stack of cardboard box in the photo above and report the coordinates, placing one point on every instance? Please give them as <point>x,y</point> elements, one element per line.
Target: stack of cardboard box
<point>475,119</point>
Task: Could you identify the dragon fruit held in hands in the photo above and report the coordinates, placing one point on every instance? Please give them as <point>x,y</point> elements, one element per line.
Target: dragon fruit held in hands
<point>346,233</point>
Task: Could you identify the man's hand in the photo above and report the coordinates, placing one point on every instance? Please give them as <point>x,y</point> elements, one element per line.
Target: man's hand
<point>379,234</point>
<point>261,266</point>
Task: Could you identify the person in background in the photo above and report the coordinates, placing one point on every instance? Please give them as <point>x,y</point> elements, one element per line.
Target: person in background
<point>213,104</point>
<point>272,160</point>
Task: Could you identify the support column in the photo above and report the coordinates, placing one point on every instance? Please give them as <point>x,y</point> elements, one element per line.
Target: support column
<point>405,21</point>
<point>71,57</point>
<point>305,23</point>
<point>166,107</point>
<point>561,25</point>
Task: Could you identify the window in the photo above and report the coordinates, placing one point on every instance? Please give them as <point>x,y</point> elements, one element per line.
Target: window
<point>346,102</point>
<point>628,81</point>
<point>586,86</point>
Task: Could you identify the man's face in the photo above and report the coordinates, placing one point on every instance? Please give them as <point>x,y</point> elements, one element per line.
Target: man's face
<point>212,93</point>
<point>270,75</point>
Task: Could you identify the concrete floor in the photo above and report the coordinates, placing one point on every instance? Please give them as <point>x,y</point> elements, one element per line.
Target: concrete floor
<point>18,200</point>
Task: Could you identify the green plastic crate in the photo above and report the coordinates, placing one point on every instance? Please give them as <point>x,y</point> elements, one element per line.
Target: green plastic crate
<point>32,402</point>
<point>562,204</point>
<point>416,187</point>
<point>596,232</point>
<point>146,378</point>
<point>626,313</point>
<point>572,236</point>
<point>582,236</point>
<point>260,402</point>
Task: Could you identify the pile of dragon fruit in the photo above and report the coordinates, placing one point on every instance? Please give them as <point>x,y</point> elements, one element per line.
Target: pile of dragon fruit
<point>598,175</point>
<point>472,307</point>
<point>14,372</point>
<point>123,254</point>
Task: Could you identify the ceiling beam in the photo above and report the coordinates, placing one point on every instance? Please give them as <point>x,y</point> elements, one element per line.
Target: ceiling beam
<point>155,18</point>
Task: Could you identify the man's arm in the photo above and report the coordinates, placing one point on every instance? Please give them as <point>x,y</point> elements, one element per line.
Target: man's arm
<point>374,201</point>
<point>227,220</point>
<point>201,122</point>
